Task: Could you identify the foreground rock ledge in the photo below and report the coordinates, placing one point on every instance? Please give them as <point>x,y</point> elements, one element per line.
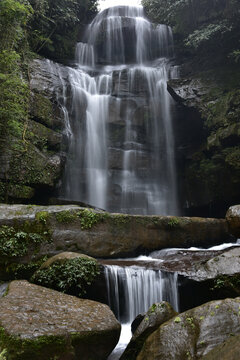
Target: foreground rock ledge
<point>194,333</point>
<point>101,234</point>
<point>39,323</point>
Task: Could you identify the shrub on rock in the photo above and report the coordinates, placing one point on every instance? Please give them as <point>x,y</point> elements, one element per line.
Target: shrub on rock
<point>67,272</point>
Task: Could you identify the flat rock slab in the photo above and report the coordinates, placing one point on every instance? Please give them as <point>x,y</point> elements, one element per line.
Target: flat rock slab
<point>102,234</point>
<point>39,323</point>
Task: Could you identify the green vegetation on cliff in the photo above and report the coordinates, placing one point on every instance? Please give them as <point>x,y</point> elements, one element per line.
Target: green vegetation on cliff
<point>29,119</point>
<point>201,27</point>
<point>206,34</point>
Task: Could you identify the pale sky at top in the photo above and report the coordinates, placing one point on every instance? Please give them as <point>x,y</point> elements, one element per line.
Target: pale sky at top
<point>103,4</point>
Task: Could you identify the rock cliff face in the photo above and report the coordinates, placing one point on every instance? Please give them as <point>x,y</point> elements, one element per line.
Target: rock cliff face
<point>209,149</point>
<point>32,165</point>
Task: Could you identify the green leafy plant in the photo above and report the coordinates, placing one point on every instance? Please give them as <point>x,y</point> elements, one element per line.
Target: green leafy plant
<point>89,218</point>
<point>15,243</point>
<point>71,276</point>
<point>3,355</point>
<point>173,222</point>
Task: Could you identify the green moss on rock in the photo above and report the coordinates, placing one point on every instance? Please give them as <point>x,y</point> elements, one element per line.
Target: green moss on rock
<point>66,216</point>
<point>44,347</point>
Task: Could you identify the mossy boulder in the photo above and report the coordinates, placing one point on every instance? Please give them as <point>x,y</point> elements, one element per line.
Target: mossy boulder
<point>39,323</point>
<point>233,219</point>
<point>194,333</point>
<point>62,257</point>
<point>68,272</point>
<point>156,315</point>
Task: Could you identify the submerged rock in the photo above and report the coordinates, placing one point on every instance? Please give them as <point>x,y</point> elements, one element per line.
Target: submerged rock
<point>155,316</point>
<point>39,323</point>
<point>194,333</point>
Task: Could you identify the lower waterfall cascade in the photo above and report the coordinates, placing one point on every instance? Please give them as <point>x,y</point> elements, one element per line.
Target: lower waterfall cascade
<point>132,290</point>
<point>121,154</point>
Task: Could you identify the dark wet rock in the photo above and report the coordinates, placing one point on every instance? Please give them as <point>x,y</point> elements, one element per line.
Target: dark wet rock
<point>154,317</point>
<point>136,322</point>
<point>233,219</point>
<point>194,333</point>
<point>40,323</point>
<point>189,92</point>
<point>228,350</point>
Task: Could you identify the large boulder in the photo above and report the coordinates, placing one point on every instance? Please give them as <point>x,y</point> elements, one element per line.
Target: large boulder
<point>155,316</point>
<point>39,323</point>
<point>102,234</point>
<point>194,333</point>
<point>233,219</point>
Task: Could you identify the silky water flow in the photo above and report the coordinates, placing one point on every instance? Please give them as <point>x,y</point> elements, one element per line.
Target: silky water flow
<point>121,146</point>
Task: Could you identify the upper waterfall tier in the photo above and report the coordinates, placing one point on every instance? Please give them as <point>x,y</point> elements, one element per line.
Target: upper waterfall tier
<point>123,35</point>
<point>121,145</point>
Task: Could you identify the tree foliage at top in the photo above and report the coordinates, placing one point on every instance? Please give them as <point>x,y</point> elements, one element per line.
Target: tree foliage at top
<point>201,25</point>
<point>56,25</point>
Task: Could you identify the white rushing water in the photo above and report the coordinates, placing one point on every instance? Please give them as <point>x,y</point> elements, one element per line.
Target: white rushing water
<point>121,144</point>
<point>132,290</point>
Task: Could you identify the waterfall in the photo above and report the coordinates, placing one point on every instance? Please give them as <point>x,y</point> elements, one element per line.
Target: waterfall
<point>132,290</point>
<point>121,144</point>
